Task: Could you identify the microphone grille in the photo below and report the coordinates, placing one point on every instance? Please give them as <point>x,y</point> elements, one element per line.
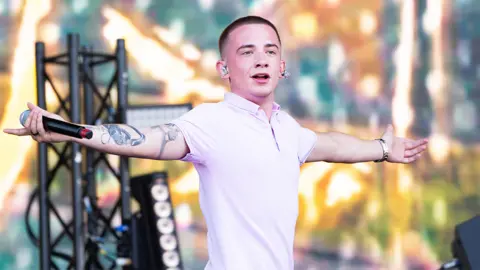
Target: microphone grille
<point>24,116</point>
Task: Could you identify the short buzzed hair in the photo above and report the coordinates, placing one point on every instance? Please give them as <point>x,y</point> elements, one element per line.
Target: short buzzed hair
<point>243,21</point>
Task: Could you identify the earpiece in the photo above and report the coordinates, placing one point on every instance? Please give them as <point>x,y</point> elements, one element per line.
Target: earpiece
<point>224,70</point>
<point>285,74</point>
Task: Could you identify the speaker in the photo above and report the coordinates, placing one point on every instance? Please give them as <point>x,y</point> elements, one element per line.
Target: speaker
<point>466,244</point>
<point>156,229</point>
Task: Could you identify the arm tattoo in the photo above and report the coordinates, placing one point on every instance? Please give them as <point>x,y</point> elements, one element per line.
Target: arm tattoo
<point>170,133</point>
<point>120,135</point>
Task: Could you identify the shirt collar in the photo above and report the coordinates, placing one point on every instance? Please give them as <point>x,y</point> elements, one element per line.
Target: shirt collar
<point>242,103</point>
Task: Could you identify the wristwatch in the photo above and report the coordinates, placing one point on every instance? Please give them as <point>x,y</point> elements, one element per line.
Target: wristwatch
<point>385,150</point>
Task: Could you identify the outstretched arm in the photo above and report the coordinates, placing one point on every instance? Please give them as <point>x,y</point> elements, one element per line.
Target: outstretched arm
<point>342,148</point>
<point>163,142</point>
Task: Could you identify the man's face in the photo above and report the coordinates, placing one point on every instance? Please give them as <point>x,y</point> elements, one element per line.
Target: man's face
<point>252,55</point>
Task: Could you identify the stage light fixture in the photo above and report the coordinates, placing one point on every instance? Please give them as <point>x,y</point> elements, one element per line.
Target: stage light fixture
<point>156,218</point>
<point>159,193</point>
<point>165,225</point>
<point>157,222</point>
<point>162,209</point>
<point>171,258</point>
<point>168,242</point>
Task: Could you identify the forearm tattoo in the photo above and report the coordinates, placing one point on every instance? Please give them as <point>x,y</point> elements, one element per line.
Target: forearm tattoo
<point>170,133</point>
<point>120,135</point>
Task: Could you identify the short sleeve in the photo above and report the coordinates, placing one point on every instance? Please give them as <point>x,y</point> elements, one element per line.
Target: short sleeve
<point>306,142</point>
<point>194,126</point>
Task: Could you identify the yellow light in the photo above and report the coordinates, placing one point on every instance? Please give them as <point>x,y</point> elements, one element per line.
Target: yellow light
<point>309,178</point>
<point>440,212</point>
<point>190,52</point>
<point>341,188</point>
<point>396,260</point>
<point>439,147</point>
<point>50,33</point>
<point>167,36</point>
<point>405,180</point>
<point>157,61</point>
<point>333,2</point>
<point>51,98</point>
<point>435,81</point>
<point>432,18</point>
<point>183,215</point>
<point>209,60</point>
<point>402,112</point>
<point>363,167</point>
<point>368,22</point>
<point>188,183</point>
<point>145,50</point>
<point>373,208</point>
<point>344,23</point>
<point>370,86</point>
<point>23,90</point>
<point>304,26</point>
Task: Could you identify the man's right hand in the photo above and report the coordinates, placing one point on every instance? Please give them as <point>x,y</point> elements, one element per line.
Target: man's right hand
<point>161,142</point>
<point>34,126</point>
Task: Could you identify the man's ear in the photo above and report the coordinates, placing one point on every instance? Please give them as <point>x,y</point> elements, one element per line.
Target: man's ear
<point>222,69</point>
<point>282,69</point>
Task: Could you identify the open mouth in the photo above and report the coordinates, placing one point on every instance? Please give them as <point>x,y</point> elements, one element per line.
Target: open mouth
<point>261,77</point>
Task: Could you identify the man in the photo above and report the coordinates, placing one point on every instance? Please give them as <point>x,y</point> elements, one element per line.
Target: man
<point>246,150</point>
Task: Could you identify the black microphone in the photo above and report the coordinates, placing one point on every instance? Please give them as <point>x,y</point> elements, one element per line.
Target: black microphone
<point>60,127</point>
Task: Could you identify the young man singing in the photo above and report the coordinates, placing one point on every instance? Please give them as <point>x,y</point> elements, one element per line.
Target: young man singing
<point>247,152</point>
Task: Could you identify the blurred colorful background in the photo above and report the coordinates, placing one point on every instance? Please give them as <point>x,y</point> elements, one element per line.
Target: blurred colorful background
<point>356,65</point>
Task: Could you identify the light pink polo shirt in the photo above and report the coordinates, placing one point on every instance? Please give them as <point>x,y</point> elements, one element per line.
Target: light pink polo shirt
<point>249,169</point>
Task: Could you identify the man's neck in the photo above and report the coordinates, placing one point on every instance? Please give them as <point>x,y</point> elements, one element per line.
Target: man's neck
<point>265,103</point>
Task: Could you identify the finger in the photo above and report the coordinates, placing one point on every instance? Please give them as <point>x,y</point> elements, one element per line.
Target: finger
<point>30,117</point>
<point>412,159</point>
<point>410,153</point>
<point>416,150</point>
<point>31,106</point>
<point>17,131</point>
<point>410,144</point>
<point>34,107</point>
<point>40,128</point>
<point>33,126</point>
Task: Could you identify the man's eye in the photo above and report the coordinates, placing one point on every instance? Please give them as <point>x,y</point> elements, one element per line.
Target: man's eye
<point>247,52</point>
<point>271,52</point>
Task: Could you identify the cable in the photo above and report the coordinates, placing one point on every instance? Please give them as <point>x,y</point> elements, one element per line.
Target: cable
<point>30,233</point>
<point>91,210</point>
<point>35,240</point>
<point>454,263</point>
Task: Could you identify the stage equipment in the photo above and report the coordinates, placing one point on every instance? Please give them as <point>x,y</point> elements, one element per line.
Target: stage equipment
<point>465,246</point>
<point>153,115</point>
<point>156,233</point>
<point>98,106</point>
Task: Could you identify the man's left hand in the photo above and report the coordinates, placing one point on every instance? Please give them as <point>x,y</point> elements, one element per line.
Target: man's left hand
<point>402,150</point>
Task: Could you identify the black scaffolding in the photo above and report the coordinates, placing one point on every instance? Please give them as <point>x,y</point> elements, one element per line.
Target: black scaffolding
<point>98,108</point>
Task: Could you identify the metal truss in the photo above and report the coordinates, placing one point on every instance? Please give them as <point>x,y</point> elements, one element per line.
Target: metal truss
<point>84,235</point>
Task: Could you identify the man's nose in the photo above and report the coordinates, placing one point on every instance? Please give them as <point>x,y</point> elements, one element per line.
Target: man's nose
<point>261,63</point>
